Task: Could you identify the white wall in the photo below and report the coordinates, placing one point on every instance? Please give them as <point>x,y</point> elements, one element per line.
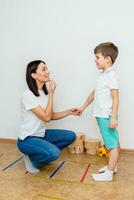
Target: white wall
<point>64,34</point>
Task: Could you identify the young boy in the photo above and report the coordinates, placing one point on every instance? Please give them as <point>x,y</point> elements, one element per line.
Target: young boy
<point>106,101</point>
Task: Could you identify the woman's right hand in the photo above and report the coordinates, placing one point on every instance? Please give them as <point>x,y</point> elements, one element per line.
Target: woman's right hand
<point>52,86</point>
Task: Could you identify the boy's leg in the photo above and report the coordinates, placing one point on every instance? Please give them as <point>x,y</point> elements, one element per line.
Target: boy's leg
<point>110,137</point>
<point>113,158</point>
<point>60,138</point>
<point>107,175</point>
<point>111,140</point>
<point>39,151</point>
<point>112,162</point>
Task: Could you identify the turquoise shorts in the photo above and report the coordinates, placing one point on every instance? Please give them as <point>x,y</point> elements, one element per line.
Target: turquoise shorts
<point>109,135</point>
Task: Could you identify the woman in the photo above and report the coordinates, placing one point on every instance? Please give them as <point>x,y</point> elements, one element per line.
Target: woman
<point>40,145</point>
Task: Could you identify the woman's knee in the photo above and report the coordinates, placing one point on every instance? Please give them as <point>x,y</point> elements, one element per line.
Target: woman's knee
<point>54,154</point>
<point>50,155</point>
<point>71,137</point>
<point>39,160</point>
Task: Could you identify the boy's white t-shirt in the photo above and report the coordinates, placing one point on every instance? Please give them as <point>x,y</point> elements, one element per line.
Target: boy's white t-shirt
<point>31,125</point>
<point>107,81</point>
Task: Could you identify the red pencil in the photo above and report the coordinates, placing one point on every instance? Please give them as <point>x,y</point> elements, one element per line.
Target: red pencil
<point>85,173</point>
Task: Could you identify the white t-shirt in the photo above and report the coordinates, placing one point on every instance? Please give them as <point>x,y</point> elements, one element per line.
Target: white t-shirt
<point>107,81</point>
<point>31,125</point>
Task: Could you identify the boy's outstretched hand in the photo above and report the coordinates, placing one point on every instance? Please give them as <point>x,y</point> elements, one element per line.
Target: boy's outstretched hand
<point>74,111</point>
<point>80,110</point>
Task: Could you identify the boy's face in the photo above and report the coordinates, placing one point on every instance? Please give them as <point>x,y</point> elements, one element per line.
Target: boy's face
<point>101,61</point>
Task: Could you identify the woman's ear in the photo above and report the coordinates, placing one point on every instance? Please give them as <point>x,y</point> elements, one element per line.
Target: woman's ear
<point>33,75</point>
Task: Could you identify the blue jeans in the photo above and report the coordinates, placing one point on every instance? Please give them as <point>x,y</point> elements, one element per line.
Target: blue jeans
<point>46,149</point>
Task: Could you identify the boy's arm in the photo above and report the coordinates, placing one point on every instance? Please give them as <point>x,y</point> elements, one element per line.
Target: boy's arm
<point>87,102</point>
<point>115,105</point>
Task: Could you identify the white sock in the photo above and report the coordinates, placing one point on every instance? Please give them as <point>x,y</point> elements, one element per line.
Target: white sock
<point>103,169</point>
<point>106,176</point>
<point>29,166</point>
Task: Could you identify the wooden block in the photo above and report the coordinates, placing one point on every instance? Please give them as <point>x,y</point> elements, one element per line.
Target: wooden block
<point>91,151</point>
<point>75,150</point>
<point>92,143</point>
<point>79,140</point>
<point>71,149</point>
<point>80,135</point>
<point>79,149</point>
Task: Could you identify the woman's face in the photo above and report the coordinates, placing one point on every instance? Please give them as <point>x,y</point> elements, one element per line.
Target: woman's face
<point>42,73</point>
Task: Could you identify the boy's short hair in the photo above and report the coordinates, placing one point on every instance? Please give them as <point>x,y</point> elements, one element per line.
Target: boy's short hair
<point>107,49</point>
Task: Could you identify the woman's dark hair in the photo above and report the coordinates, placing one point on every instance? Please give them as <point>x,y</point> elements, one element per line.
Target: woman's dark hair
<point>31,68</point>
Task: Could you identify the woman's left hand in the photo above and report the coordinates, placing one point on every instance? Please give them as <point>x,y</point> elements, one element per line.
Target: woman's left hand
<point>52,86</point>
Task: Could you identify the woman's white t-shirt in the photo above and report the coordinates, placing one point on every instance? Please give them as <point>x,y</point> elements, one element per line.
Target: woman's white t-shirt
<point>31,125</point>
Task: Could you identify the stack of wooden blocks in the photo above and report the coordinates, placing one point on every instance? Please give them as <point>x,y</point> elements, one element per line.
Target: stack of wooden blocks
<point>77,146</point>
<point>81,144</point>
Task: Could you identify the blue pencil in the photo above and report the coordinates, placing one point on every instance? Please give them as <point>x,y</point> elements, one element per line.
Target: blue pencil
<point>55,171</point>
<point>12,163</point>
